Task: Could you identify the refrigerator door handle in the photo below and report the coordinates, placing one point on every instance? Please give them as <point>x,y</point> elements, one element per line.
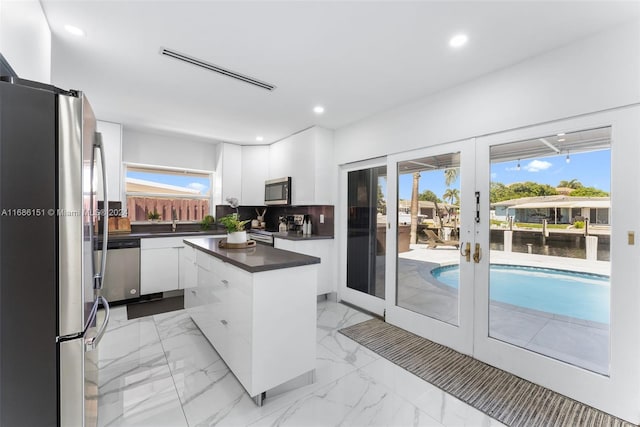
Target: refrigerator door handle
<point>91,343</point>
<point>98,278</point>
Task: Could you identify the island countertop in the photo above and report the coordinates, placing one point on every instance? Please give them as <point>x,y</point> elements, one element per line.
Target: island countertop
<point>255,259</point>
<point>300,237</point>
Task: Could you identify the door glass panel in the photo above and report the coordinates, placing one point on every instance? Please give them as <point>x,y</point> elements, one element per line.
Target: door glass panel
<point>549,284</point>
<point>428,230</point>
<point>366,232</point>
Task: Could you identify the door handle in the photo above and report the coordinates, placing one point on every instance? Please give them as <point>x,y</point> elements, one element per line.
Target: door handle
<point>98,278</point>
<point>91,343</point>
<point>466,252</point>
<point>477,255</point>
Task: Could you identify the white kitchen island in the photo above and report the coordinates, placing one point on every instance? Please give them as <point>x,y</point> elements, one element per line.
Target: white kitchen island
<point>257,307</point>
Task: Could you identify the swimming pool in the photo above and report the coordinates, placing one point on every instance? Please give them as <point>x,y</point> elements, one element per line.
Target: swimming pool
<point>578,295</point>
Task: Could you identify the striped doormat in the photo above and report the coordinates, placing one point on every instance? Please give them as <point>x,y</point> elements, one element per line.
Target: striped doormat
<point>499,394</point>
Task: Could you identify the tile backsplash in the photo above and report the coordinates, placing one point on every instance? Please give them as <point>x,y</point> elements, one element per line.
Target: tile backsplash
<point>273,213</point>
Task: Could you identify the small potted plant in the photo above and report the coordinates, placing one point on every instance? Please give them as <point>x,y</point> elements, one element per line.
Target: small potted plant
<point>206,222</point>
<point>235,228</point>
<point>153,216</point>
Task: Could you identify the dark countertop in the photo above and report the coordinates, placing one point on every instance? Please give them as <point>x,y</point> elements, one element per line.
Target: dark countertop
<point>256,259</point>
<point>296,236</point>
<point>148,234</point>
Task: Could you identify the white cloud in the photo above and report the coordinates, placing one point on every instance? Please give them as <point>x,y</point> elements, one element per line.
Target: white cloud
<point>532,166</point>
<point>493,176</point>
<point>197,186</point>
<point>537,166</point>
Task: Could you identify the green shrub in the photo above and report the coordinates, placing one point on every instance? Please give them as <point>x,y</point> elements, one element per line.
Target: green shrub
<point>578,224</point>
<point>206,222</point>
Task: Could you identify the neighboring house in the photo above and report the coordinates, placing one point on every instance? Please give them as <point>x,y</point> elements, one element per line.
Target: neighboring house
<point>170,201</point>
<point>558,209</point>
<point>426,211</point>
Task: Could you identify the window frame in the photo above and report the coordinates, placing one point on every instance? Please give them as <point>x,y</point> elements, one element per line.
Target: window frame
<point>161,169</point>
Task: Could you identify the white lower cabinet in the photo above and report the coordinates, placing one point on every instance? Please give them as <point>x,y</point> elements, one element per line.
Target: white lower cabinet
<point>321,248</point>
<point>160,259</point>
<point>262,324</point>
<point>188,269</point>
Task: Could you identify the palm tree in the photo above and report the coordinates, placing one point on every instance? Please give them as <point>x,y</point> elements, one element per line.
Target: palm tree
<point>413,237</point>
<point>452,195</point>
<point>574,183</point>
<point>450,176</point>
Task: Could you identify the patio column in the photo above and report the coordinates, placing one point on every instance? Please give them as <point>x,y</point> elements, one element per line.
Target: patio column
<point>591,243</point>
<point>508,240</point>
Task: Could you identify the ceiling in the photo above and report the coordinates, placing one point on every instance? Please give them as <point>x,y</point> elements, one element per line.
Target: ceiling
<point>355,58</point>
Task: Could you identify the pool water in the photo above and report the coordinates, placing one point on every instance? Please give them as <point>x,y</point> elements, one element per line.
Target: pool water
<point>578,295</point>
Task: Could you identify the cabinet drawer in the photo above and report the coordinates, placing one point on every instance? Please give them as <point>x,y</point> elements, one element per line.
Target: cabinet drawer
<point>193,298</point>
<point>208,262</point>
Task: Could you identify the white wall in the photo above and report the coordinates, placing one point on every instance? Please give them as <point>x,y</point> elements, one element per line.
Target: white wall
<point>165,149</point>
<point>25,39</point>
<point>594,74</point>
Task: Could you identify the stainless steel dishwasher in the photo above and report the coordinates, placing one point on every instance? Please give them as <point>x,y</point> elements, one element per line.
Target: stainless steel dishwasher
<point>122,275</point>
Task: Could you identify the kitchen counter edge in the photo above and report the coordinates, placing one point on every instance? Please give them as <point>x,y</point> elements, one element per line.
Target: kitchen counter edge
<point>151,235</point>
<point>292,236</point>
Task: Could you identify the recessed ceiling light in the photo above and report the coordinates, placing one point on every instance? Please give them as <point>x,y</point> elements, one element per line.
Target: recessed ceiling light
<point>458,40</point>
<point>561,139</point>
<point>79,32</point>
<point>318,109</point>
<point>259,138</point>
<point>561,134</point>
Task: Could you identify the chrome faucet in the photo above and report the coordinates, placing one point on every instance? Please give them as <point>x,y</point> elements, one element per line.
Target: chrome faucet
<point>174,220</point>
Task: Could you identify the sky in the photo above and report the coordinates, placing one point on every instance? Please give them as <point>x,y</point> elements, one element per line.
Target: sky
<point>591,169</point>
<point>201,184</point>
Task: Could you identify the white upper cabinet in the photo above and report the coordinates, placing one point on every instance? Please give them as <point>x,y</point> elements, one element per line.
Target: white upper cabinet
<point>307,157</point>
<point>112,142</point>
<point>326,171</point>
<point>255,171</point>
<point>228,176</point>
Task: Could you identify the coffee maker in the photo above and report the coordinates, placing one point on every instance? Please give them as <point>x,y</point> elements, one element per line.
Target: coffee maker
<point>294,223</point>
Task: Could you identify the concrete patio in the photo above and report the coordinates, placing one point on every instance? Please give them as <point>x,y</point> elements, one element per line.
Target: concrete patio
<point>575,341</point>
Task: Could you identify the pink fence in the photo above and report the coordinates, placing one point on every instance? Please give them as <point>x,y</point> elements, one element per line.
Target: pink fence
<point>169,209</point>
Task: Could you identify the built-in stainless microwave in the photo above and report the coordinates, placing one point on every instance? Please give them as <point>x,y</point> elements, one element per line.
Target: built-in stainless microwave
<point>277,191</point>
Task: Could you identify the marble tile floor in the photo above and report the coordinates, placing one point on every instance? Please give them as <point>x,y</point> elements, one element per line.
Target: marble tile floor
<point>161,371</point>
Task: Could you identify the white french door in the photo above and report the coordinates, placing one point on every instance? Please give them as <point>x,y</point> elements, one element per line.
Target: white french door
<point>587,348</point>
<point>573,331</point>
<point>430,308</point>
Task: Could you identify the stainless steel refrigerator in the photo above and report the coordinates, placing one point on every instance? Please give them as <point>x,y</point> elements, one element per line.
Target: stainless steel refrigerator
<point>51,163</point>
